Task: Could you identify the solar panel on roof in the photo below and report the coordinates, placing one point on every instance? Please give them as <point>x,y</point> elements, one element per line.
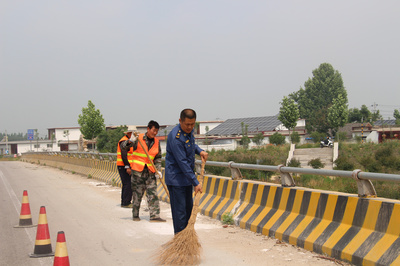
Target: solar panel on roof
<point>234,126</point>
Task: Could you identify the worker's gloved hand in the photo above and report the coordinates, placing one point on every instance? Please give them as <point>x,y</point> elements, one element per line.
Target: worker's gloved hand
<point>158,174</point>
<point>133,138</point>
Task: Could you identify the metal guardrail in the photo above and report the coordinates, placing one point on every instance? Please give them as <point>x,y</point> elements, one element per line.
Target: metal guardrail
<point>363,179</point>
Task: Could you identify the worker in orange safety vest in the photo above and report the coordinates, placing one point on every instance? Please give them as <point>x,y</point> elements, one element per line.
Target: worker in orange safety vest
<point>144,175</point>
<point>124,160</point>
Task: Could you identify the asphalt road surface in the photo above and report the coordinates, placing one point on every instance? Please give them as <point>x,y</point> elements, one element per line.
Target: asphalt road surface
<point>99,232</point>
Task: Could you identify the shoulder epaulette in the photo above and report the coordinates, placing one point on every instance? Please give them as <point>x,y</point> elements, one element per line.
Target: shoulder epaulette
<point>178,134</point>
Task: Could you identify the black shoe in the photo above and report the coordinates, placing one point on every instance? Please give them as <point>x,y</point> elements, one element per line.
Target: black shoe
<point>136,219</point>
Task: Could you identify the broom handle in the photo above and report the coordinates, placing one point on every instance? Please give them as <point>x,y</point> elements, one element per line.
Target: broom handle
<point>203,164</point>
<point>195,209</point>
<point>151,162</point>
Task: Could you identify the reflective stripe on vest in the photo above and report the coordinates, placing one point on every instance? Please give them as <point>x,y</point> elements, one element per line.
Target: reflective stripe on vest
<point>140,158</point>
<point>120,162</point>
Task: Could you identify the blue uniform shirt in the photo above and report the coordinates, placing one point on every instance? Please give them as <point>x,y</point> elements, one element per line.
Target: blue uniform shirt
<point>180,158</point>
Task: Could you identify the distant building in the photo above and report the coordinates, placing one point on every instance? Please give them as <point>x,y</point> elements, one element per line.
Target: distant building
<point>380,131</point>
<point>201,130</point>
<point>59,139</point>
<point>228,134</point>
<point>216,134</point>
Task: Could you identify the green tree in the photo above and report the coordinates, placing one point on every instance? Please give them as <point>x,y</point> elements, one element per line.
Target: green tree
<point>337,114</point>
<point>396,115</point>
<point>14,136</point>
<point>91,121</point>
<point>277,139</point>
<point>317,96</point>
<point>245,140</point>
<point>317,136</point>
<point>207,141</point>
<point>165,134</point>
<point>107,140</point>
<point>258,139</point>
<point>376,116</point>
<point>37,139</point>
<point>354,115</point>
<point>288,113</point>
<point>366,114</point>
<point>360,115</point>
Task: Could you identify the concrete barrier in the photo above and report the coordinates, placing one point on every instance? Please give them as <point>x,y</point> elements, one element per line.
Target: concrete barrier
<point>362,231</point>
<point>358,230</point>
<point>102,170</point>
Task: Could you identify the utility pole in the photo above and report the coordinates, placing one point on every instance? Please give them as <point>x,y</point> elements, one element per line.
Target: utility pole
<point>362,129</point>
<point>374,106</point>
<point>37,139</point>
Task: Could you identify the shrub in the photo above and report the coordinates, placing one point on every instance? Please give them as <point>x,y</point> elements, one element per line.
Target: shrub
<point>294,163</point>
<point>366,161</point>
<point>374,166</point>
<point>277,139</point>
<point>295,137</point>
<point>343,163</point>
<point>317,136</point>
<point>340,136</point>
<point>316,163</point>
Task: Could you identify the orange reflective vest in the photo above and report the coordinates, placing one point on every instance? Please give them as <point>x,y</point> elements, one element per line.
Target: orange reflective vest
<point>120,162</point>
<point>140,158</point>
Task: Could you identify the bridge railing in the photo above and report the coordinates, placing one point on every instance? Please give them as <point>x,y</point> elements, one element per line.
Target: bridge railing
<point>363,179</point>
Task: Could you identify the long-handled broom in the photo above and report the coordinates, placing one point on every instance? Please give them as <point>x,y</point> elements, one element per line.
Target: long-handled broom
<point>184,248</point>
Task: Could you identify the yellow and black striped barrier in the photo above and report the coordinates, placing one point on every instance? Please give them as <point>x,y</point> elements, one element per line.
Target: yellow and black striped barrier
<point>358,230</point>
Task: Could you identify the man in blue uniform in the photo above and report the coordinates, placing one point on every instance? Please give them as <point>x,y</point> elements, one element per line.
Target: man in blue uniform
<point>179,169</point>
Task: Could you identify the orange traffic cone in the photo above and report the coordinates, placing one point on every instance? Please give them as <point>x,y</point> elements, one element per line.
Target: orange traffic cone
<point>25,218</point>
<point>43,242</point>
<point>61,255</point>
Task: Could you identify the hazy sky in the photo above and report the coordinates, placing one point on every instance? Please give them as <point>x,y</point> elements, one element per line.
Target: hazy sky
<point>143,60</point>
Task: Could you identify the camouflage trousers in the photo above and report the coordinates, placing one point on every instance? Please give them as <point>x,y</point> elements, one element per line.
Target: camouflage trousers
<point>141,182</point>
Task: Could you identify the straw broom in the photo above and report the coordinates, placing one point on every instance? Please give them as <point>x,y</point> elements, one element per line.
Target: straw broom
<point>184,248</point>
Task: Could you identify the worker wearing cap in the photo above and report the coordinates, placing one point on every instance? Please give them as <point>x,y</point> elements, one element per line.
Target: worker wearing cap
<point>179,169</point>
<point>143,173</point>
<point>124,160</point>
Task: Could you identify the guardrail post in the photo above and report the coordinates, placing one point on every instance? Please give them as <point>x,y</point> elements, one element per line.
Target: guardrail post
<point>365,187</point>
<point>235,172</point>
<point>286,178</point>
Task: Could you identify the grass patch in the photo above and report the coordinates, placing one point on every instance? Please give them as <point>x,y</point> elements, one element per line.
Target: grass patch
<point>227,218</point>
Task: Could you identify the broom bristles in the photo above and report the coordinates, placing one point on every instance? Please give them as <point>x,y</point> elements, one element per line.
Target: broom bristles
<point>184,248</point>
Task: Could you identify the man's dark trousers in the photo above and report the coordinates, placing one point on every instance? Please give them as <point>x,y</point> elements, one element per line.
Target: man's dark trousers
<point>126,193</point>
<point>181,199</point>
